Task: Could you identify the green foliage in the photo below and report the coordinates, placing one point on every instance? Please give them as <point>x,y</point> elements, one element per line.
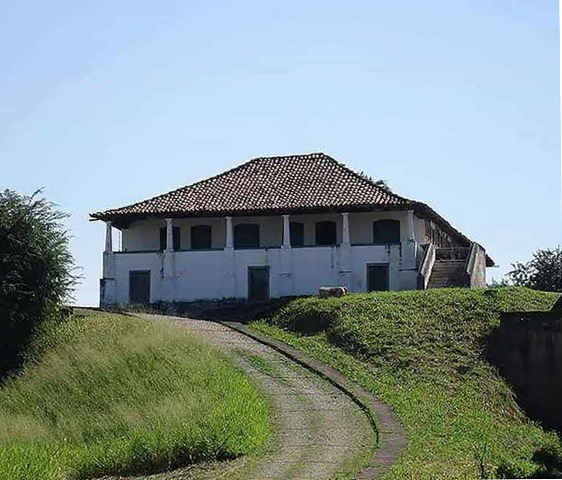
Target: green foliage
<point>115,395</point>
<point>542,272</point>
<point>35,271</point>
<point>379,183</point>
<point>425,354</point>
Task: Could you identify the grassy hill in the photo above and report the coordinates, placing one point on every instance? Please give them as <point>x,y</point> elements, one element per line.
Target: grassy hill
<point>424,353</point>
<point>109,394</point>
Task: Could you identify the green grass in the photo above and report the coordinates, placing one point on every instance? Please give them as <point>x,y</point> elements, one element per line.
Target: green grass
<point>424,353</point>
<point>114,395</point>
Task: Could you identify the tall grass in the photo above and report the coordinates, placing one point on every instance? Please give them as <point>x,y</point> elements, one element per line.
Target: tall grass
<point>425,354</point>
<point>110,394</point>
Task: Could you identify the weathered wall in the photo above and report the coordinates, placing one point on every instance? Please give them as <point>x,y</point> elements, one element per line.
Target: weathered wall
<point>194,275</point>
<point>529,355</point>
<point>478,273</point>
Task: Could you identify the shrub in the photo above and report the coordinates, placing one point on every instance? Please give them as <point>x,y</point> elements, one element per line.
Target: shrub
<point>35,271</point>
<point>543,272</point>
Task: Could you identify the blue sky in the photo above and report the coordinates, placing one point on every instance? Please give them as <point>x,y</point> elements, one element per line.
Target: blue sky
<point>455,103</point>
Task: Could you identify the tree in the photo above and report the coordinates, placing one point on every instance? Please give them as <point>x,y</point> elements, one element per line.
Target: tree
<point>379,183</point>
<point>35,271</point>
<point>543,272</point>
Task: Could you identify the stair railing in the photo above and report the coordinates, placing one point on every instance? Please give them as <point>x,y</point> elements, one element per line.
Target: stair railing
<point>471,261</point>
<point>426,266</point>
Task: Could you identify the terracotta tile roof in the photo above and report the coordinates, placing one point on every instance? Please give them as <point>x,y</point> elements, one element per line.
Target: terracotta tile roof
<point>289,184</point>
<point>310,183</point>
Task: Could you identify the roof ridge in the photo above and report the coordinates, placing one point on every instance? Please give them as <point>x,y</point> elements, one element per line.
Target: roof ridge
<point>366,180</point>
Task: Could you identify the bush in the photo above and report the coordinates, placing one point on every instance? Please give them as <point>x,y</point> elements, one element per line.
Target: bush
<point>543,272</point>
<point>35,271</point>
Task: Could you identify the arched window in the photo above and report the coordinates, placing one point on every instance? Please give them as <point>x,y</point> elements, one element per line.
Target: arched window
<point>326,233</point>
<point>386,231</point>
<point>200,237</point>
<point>297,234</point>
<point>247,235</point>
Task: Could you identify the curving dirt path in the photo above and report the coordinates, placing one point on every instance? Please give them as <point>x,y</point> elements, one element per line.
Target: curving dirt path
<point>322,433</point>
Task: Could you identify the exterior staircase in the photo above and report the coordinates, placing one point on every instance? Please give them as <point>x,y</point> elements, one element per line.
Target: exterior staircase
<point>448,273</point>
<point>449,268</point>
<point>440,267</point>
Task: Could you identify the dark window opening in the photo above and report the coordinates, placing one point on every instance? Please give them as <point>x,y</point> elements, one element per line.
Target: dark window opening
<point>247,235</point>
<point>326,233</point>
<point>200,237</point>
<point>297,234</point>
<point>386,231</point>
<point>175,238</point>
<point>377,278</point>
<point>139,287</point>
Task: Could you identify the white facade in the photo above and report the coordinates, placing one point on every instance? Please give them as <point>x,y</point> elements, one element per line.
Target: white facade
<point>223,271</point>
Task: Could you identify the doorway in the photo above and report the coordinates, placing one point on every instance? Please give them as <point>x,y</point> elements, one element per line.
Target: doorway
<point>377,278</point>
<point>139,287</point>
<point>258,283</point>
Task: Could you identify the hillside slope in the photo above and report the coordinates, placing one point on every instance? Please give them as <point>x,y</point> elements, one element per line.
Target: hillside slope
<point>111,394</point>
<point>424,353</point>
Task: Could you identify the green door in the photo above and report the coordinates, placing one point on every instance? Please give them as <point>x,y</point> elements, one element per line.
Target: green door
<point>258,283</point>
<point>139,287</point>
<point>377,278</point>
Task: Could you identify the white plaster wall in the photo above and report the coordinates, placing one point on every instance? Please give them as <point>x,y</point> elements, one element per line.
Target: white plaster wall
<point>309,222</point>
<point>256,258</point>
<point>200,275</point>
<point>419,231</point>
<point>126,262</point>
<point>144,235</point>
<point>271,229</point>
<point>361,256</point>
<point>361,225</point>
<point>218,230</point>
<point>312,268</point>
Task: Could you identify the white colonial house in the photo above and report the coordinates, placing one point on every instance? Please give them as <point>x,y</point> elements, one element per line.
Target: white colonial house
<point>281,226</point>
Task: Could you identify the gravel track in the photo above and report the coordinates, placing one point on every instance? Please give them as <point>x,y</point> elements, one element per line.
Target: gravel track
<point>321,431</point>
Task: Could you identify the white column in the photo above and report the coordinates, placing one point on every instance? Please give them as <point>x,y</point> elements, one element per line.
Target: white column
<point>107,282</point>
<point>229,279</point>
<point>285,284</point>
<point>169,235</point>
<point>409,247</point>
<point>345,253</point>
<point>286,232</point>
<point>108,237</point>
<point>345,229</point>
<point>410,226</point>
<point>229,233</point>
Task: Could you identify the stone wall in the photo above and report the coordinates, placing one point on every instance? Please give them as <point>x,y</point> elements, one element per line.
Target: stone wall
<point>528,353</point>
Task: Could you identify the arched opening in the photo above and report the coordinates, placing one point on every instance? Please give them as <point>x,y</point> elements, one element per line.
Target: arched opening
<point>297,234</point>
<point>326,233</point>
<point>247,235</point>
<point>201,237</point>
<point>386,231</point>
